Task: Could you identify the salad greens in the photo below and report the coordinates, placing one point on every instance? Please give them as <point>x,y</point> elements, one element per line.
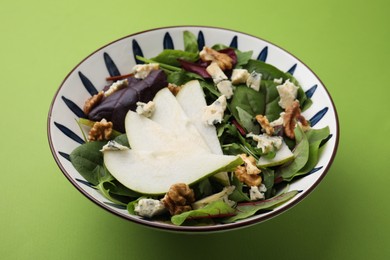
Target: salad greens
<point>238,133</point>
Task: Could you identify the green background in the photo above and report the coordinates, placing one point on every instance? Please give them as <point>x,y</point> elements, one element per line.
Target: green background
<point>346,43</point>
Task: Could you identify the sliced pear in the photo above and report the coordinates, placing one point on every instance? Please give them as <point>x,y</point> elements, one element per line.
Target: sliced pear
<point>282,156</point>
<point>169,114</point>
<point>153,173</point>
<point>192,99</point>
<point>145,134</point>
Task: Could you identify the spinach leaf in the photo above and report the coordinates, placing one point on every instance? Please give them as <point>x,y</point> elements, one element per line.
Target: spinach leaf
<point>243,58</point>
<point>248,99</point>
<point>268,181</point>
<point>171,57</point>
<point>181,77</point>
<point>301,156</point>
<point>107,178</point>
<point>238,195</point>
<point>88,161</point>
<point>268,71</point>
<point>272,108</point>
<point>190,42</point>
<point>216,209</point>
<point>246,121</point>
<point>122,139</point>
<point>245,210</point>
<point>315,137</point>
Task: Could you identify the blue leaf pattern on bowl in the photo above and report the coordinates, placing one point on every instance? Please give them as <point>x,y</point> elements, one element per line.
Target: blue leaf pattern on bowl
<point>168,42</point>
<point>263,54</point>
<point>88,84</point>
<point>74,108</point>
<point>310,91</point>
<point>69,133</point>
<point>317,117</point>
<point>292,69</point>
<point>114,205</point>
<point>316,169</point>
<point>65,155</point>
<point>326,140</point>
<point>201,41</point>
<point>87,183</point>
<point>111,67</point>
<point>137,51</point>
<point>234,42</point>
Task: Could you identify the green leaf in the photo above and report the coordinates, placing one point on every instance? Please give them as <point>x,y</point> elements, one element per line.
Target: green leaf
<point>272,108</point>
<point>238,195</point>
<point>268,181</point>
<point>182,77</point>
<point>170,57</point>
<point>268,71</point>
<point>88,161</point>
<point>245,210</point>
<point>190,42</point>
<point>248,99</point>
<point>301,156</point>
<point>246,121</point>
<point>122,140</point>
<point>166,67</point>
<point>243,58</point>
<point>216,209</point>
<point>315,137</point>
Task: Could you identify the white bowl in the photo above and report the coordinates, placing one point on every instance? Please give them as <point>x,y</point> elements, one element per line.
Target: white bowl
<point>90,75</point>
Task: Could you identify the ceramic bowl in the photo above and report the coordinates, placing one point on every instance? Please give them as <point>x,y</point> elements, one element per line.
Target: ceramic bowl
<point>117,57</point>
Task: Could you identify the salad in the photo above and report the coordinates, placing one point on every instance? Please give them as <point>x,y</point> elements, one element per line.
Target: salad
<point>201,136</point>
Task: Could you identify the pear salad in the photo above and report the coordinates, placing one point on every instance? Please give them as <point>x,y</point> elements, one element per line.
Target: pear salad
<point>200,136</point>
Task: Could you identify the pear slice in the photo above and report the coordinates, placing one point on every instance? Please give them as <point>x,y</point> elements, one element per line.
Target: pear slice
<point>282,156</point>
<point>147,135</point>
<point>153,173</point>
<point>192,99</point>
<point>169,114</point>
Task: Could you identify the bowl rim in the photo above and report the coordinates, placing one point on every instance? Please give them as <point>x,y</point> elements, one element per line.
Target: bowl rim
<point>196,229</point>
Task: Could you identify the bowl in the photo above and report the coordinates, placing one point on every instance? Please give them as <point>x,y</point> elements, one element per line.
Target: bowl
<point>89,76</point>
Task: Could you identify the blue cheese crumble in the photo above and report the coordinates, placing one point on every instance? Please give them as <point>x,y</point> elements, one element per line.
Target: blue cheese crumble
<point>141,71</point>
<point>213,113</point>
<point>254,80</point>
<point>257,193</point>
<point>266,142</point>
<point>149,208</point>
<point>288,93</point>
<point>145,109</point>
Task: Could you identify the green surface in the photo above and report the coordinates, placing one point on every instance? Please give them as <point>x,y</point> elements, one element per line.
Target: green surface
<point>346,44</point>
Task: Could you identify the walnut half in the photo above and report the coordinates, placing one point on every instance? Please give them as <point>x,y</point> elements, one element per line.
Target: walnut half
<point>223,60</point>
<point>291,117</point>
<point>248,173</point>
<point>92,102</point>
<point>179,198</point>
<point>264,123</point>
<point>100,131</point>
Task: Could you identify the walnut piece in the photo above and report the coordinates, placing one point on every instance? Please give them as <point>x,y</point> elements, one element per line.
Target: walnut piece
<point>291,117</point>
<point>100,131</point>
<point>248,173</point>
<point>265,124</point>
<point>179,198</point>
<point>223,60</point>
<point>92,102</point>
<point>174,88</point>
